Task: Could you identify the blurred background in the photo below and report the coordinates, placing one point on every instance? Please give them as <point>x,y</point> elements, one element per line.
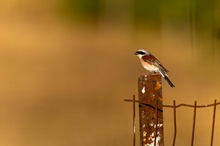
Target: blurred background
<point>66,67</point>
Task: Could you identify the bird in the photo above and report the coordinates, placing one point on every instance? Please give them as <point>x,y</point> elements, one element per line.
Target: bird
<point>152,64</point>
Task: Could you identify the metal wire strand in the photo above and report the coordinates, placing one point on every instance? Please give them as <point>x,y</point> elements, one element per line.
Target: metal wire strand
<point>194,123</point>
<point>213,122</point>
<point>174,117</point>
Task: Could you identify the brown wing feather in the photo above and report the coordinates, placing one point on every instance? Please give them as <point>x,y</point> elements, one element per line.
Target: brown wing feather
<point>154,61</point>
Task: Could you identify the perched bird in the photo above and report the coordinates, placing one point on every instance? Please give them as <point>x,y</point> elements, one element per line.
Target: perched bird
<point>152,64</point>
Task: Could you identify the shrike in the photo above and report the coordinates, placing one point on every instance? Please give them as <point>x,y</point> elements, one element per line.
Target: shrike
<point>152,64</point>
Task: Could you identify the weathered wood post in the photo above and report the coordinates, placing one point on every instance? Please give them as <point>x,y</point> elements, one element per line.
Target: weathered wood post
<point>151,110</point>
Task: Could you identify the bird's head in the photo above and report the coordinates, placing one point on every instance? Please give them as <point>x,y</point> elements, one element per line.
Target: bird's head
<point>141,53</point>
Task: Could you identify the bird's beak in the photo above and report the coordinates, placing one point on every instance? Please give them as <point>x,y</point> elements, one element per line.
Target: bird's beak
<point>135,53</point>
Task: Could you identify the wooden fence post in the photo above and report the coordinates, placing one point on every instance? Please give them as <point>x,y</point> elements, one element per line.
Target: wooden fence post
<point>151,110</point>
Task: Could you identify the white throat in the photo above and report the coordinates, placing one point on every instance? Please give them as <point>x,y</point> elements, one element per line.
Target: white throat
<point>140,56</point>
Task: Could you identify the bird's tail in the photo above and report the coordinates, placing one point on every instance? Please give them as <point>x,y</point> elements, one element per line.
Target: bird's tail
<point>165,76</point>
<point>169,82</point>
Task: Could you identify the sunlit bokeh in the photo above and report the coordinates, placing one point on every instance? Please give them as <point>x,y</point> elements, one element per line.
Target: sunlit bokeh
<point>66,67</point>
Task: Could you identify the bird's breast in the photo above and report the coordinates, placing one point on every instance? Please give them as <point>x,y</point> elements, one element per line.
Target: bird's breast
<point>149,67</point>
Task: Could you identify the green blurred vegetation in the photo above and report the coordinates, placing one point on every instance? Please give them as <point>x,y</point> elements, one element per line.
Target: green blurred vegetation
<point>81,8</point>
<point>147,10</point>
<point>202,11</point>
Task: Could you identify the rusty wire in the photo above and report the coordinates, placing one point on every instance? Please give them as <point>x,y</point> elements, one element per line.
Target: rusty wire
<point>213,122</point>
<point>174,106</point>
<point>194,123</point>
<point>174,118</point>
<point>134,122</point>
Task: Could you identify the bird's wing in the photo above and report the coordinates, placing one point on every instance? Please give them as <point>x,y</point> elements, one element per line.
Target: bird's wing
<point>154,61</point>
<point>163,68</point>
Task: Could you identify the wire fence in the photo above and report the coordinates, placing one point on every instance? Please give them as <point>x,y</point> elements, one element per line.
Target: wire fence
<point>195,106</point>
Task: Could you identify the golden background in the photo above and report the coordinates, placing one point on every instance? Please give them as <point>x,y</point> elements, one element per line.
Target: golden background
<point>66,67</point>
